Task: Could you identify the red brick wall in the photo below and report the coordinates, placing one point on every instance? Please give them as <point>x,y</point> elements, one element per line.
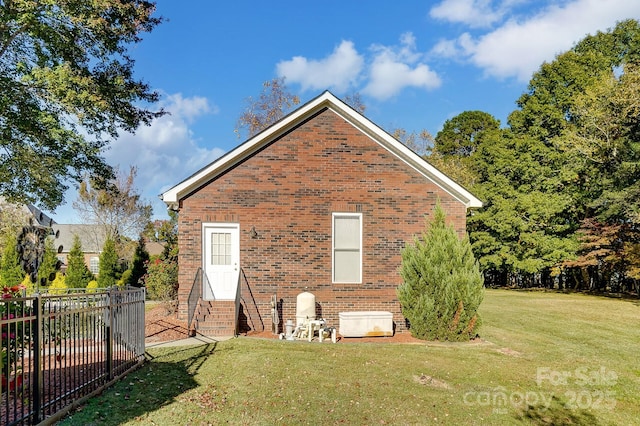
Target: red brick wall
<point>288,192</point>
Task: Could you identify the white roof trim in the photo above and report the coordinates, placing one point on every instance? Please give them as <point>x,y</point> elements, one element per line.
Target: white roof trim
<point>326,100</point>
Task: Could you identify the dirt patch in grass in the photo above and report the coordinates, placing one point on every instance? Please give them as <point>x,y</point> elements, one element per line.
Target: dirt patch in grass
<point>423,379</point>
<point>509,352</point>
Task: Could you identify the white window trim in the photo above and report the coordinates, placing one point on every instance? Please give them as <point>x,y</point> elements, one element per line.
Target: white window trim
<point>333,248</point>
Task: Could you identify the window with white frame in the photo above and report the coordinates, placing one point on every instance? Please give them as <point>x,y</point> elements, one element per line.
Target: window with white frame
<point>347,247</point>
<point>94,265</point>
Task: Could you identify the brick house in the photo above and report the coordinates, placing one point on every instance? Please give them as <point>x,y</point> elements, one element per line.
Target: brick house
<point>92,239</point>
<point>323,201</point>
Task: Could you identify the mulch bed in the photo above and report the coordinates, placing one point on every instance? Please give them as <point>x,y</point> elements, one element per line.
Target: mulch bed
<point>162,325</point>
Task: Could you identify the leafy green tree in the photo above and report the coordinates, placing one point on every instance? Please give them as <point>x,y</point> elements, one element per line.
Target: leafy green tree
<point>442,284</point>
<point>455,145</point>
<point>461,135</point>
<point>162,279</point>
<point>545,110</point>
<point>567,155</point>
<point>525,226</point>
<point>605,144</point>
<point>67,88</point>
<point>11,273</point>
<point>165,232</point>
<point>77,274</point>
<point>109,265</point>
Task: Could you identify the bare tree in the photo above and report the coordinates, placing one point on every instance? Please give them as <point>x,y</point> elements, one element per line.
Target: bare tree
<point>420,143</point>
<point>117,207</point>
<point>354,100</point>
<point>272,104</point>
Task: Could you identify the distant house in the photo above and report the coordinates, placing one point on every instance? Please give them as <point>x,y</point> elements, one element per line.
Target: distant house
<point>92,239</point>
<point>323,202</point>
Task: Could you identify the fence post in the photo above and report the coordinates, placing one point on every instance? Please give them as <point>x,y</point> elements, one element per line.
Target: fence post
<point>109,333</point>
<point>37,385</point>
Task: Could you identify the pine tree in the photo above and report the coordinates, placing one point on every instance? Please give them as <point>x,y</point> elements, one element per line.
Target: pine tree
<point>109,268</point>
<point>442,284</point>
<point>49,265</point>
<point>77,275</point>
<point>11,273</point>
<point>139,265</point>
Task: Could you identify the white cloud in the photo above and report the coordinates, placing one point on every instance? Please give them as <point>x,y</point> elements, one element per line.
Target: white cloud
<point>522,44</point>
<point>164,151</point>
<point>474,13</point>
<point>386,73</point>
<point>338,71</point>
<point>395,67</point>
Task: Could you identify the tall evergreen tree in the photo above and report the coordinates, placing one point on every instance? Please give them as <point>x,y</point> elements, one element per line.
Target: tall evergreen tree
<point>50,264</point>
<point>139,265</point>
<point>109,265</point>
<point>442,284</point>
<point>11,273</point>
<point>77,274</point>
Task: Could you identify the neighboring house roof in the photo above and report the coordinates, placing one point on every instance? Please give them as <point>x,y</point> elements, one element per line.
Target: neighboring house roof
<point>28,213</point>
<point>92,237</point>
<point>39,217</point>
<point>326,100</point>
<point>154,248</point>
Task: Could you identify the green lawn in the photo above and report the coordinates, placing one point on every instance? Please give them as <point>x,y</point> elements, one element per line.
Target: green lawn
<point>545,358</point>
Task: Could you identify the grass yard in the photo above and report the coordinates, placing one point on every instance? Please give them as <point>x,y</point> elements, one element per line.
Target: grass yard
<point>545,358</point>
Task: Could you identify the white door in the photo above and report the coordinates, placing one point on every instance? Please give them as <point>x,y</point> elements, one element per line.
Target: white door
<point>221,261</point>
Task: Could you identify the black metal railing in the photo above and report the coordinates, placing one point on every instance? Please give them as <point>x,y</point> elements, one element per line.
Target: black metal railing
<point>194,296</point>
<point>58,349</point>
<point>253,319</point>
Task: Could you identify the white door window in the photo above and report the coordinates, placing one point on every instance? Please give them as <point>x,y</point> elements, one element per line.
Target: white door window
<point>221,256</point>
<point>347,247</point>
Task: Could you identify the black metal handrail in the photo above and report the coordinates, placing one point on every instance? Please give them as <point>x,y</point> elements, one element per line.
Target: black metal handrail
<point>195,294</point>
<point>249,303</point>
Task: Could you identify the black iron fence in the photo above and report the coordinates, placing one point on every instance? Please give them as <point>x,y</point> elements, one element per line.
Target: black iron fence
<point>59,349</point>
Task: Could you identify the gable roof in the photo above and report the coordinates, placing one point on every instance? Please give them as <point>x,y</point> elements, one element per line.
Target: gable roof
<point>92,237</point>
<point>326,100</point>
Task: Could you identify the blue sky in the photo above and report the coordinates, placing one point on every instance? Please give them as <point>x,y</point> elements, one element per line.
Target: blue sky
<point>414,63</point>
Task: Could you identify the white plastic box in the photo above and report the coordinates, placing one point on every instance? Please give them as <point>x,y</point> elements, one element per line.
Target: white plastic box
<point>366,324</point>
